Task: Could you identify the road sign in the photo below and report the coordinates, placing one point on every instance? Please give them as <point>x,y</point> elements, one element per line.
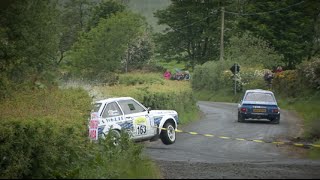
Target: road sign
<point>235,68</point>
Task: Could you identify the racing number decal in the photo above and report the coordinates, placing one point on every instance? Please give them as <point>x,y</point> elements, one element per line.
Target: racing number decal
<point>140,124</point>
<point>141,129</point>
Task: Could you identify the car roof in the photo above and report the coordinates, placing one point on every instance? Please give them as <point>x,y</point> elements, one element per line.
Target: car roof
<point>259,90</point>
<point>113,99</point>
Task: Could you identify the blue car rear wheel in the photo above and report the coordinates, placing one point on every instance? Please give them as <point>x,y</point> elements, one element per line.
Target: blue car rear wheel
<point>240,118</point>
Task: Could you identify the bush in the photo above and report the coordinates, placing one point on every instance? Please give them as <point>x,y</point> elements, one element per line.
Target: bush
<point>43,134</point>
<point>183,101</point>
<point>137,78</point>
<point>287,83</point>
<point>209,76</point>
<point>309,71</point>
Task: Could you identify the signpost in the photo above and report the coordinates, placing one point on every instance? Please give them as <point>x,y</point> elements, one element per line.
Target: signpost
<point>93,126</point>
<point>235,69</point>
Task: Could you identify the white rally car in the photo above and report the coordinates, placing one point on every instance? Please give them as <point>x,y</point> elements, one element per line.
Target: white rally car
<point>127,114</point>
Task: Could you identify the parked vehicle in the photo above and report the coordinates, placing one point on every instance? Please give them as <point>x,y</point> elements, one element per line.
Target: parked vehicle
<point>259,104</point>
<point>128,115</point>
<point>181,75</point>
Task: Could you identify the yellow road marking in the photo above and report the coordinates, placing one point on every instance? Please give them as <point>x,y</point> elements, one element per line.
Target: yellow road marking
<point>259,141</point>
<point>316,145</point>
<point>297,144</point>
<point>209,135</point>
<point>278,142</point>
<point>241,139</point>
<point>223,137</point>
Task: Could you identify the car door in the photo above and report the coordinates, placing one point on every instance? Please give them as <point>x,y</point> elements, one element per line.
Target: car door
<point>111,115</point>
<point>140,118</point>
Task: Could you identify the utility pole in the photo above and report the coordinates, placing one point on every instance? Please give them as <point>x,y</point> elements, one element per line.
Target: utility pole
<point>235,81</point>
<point>222,34</point>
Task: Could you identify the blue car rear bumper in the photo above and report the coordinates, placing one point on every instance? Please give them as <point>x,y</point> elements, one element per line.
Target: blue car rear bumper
<point>260,116</point>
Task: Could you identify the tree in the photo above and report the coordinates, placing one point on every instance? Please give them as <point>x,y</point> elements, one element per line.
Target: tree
<point>73,19</point>
<point>194,30</point>
<point>139,52</point>
<point>249,50</point>
<point>100,51</point>
<point>104,10</point>
<point>289,26</point>
<point>28,40</point>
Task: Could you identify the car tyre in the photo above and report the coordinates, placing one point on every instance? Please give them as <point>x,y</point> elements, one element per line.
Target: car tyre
<point>275,120</point>
<point>115,137</point>
<point>240,118</point>
<point>168,136</point>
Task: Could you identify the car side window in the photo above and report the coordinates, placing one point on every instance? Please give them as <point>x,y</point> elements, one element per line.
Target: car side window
<point>111,110</point>
<point>130,106</point>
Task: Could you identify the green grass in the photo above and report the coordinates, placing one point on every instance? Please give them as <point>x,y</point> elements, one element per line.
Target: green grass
<point>172,65</point>
<point>218,96</point>
<point>309,109</point>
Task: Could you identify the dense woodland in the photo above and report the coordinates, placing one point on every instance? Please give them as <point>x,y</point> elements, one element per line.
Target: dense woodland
<point>40,40</point>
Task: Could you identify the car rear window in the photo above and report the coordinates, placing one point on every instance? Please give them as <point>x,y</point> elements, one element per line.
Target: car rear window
<point>256,96</point>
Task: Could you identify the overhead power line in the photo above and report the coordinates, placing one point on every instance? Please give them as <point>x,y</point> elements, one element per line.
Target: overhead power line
<point>177,29</point>
<point>230,12</point>
<point>266,12</point>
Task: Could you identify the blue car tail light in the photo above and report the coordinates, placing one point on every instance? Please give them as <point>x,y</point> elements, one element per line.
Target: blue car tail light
<point>243,109</point>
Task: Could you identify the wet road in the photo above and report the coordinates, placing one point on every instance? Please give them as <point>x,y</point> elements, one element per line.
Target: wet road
<point>198,156</point>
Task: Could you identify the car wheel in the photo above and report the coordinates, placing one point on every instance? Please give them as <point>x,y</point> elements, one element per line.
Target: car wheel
<point>275,121</point>
<point>115,137</point>
<point>240,118</point>
<point>168,136</point>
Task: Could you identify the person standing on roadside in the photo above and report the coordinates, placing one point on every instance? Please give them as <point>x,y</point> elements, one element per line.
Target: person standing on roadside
<point>167,74</point>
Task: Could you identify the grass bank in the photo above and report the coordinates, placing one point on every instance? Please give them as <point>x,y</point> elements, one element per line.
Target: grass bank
<point>43,134</point>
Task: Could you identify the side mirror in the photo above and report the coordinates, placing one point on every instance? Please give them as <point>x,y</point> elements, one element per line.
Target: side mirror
<point>149,109</point>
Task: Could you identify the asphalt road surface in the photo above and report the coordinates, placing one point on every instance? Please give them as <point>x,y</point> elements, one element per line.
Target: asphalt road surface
<point>198,156</point>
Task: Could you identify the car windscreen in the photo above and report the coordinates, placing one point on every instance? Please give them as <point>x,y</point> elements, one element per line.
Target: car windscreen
<point>96,107</point>
<point>258,96</point>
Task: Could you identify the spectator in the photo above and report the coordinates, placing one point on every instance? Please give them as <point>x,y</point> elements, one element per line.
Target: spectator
<point>268,76</point>
<point>167,74</point>
<point>279,69</point>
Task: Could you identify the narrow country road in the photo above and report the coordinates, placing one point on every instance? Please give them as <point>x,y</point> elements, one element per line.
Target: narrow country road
<point>224,156</point>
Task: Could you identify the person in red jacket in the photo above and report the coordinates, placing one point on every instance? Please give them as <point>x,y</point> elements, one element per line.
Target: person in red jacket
<point>167,74</point>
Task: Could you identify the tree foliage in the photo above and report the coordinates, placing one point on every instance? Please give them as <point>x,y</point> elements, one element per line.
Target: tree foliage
<point>139,52</point>
<point>104,10</point>
<point>252,51</point>
<point>289,26</point>
<point>100,51</point>
<point>28,41</point>
<point>194,30</point>
<point>74,17</point>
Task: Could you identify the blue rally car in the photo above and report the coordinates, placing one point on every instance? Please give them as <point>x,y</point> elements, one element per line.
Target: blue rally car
<point>259,104</point>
